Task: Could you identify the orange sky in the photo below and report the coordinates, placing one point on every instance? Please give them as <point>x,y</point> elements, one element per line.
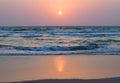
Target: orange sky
<point>45,12</point>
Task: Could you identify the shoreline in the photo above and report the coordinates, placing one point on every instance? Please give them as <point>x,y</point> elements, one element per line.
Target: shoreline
<point>104,80</point>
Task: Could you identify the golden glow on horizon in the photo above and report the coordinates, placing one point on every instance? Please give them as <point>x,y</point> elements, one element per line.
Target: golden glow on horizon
<point>60,63</point>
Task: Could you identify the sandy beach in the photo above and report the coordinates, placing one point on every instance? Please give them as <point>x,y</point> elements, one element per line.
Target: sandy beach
<point>16,69</point>
<point>59,41</point>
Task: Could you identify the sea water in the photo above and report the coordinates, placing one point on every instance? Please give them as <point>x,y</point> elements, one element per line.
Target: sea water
<point>59,40</point>
<point>42,52</point>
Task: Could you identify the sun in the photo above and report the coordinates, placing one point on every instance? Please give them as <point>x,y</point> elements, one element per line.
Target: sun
<point>60,12</point>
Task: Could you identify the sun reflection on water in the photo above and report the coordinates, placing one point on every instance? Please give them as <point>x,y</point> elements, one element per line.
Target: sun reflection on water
<point>60,63</point>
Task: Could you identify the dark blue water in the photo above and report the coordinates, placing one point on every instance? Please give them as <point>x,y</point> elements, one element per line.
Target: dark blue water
<point>64,40</point>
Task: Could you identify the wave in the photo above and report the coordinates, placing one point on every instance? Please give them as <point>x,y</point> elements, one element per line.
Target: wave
<point>52,48</point>
<point>92,49</point>
<point>59,40</point>
<point>31,34</point>
<point>47,28</point>
<point>77,31</point>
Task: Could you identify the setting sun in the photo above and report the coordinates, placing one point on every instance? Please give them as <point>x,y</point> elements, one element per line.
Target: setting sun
<point>60,13</point>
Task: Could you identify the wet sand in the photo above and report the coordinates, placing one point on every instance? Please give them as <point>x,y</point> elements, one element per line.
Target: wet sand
<point>21,68</point>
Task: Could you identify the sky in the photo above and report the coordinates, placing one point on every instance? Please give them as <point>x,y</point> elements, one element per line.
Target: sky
<point>45,12</point>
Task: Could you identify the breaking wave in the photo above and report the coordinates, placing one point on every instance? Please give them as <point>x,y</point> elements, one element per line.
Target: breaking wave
<point>60,40</point>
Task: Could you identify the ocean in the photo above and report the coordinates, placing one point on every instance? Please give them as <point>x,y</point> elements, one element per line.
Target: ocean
<point>59,52</point>
<point>59,40</point>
